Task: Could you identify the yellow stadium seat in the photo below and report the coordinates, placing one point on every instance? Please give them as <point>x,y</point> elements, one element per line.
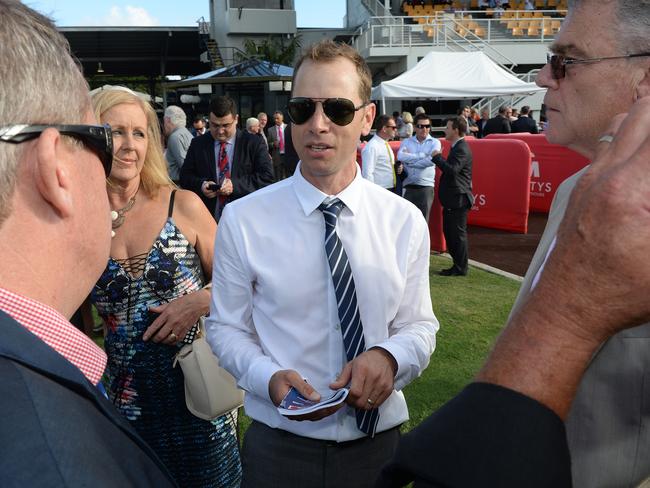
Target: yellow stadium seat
<point>533,31</point>
<point>540,3</point>
<point>480,32</point>
<point>517,32</point>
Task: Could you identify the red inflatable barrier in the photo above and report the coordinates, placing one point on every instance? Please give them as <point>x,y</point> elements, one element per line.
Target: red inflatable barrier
<point>501,184</point>
<point>551,165</point>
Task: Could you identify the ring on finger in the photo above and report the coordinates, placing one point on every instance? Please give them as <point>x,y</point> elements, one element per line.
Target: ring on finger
<point>370,402</point>
<point>606,138</point>
<point>173,337</point>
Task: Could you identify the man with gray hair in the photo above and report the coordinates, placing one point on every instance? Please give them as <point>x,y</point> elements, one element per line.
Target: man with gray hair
<point>57,428</point>
<point>178,140</point>
<point>600,65</point>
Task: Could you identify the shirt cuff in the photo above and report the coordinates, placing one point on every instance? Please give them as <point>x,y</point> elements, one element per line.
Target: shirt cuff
<point>401,358</point>
<point>260,377</point>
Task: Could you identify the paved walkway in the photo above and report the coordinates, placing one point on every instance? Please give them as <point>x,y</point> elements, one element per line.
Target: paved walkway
<point>504,250</point>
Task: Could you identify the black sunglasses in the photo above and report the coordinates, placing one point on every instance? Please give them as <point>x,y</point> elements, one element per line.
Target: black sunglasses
<point>559,62</point>
<point>98,138</point>
<point>422,126</point>
<point>339,110</point>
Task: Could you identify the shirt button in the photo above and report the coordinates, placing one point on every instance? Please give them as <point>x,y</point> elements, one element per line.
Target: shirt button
<point>337,327</point>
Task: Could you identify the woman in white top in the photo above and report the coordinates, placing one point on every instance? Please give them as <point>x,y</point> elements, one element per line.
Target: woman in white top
<point>406,130</point>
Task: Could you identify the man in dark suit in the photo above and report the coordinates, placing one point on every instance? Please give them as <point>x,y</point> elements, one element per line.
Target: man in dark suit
<point>57,427</point>
<point>227,163</point>
<point>499,124</point>
<point>277,145</point>
<point>455,194</point>
<point>482,122</point>
<point>525,123</point>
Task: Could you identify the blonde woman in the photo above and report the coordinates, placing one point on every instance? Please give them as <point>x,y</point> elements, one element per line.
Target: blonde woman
<point>152,294</point>
<point>406,130</point>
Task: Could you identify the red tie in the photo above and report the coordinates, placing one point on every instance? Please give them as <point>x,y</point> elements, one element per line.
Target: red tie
<point>224,172</point>
<point>280,138</point>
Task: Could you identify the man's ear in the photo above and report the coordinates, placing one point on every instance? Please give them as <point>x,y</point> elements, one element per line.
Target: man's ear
<point>51,174</point>
<point>368,118</point>
<point>643,87</point>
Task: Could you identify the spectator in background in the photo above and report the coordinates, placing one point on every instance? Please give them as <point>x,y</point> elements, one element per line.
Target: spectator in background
<point>277,143</point>
<point>415,153</point>
<point>420,110</point>
<point>377,157</point>
<point>471,127</point>
<point>500,124</point>
<point>455,194</point>
<point>263,118</point>
<point>198,125</point>
<point>480,123</point>
<point>243,164</point>
<point>529,5</point>
<point>178,140</point>
<point>510,114</point>
<point>407,128</point>
<point>524,123</point>
<point>399,121</point>
<point>253,126</point>
<point>291,157</point>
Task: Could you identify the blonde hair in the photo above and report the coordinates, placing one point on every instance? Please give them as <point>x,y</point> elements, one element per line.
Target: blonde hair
<point>407,117</point>
<point>154,174</point>
<point>327,50</point>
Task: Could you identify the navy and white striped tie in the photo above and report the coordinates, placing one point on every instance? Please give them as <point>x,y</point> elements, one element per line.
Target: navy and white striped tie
<point>346,298</point>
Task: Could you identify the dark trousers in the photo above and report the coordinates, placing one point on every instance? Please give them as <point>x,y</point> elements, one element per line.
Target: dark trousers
<point>276,458</point>
<point>421,197</point>
<point>278,167</point>
<point>454,226</point>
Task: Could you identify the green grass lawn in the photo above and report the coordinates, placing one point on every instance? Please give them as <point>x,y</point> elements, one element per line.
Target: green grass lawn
<point>471,311</point>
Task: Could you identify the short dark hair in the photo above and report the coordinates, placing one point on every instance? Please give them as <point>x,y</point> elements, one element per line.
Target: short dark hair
<point>524,110</point>
<point>419,117</point>
<point>382,121</point>
<point>458,123</point>
<point>199,118</point>
<point>223,105</point>
<point>503,109</point>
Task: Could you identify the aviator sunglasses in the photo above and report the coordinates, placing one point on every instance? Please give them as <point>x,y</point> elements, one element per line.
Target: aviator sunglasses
<point>339,110</point>
<point>559,62</point>
<point>98,138</point>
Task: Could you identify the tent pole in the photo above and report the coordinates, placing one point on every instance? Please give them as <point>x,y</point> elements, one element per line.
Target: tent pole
<point>383,104</point>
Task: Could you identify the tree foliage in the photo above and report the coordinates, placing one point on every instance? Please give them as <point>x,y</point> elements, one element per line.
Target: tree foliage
<point>275,50</point>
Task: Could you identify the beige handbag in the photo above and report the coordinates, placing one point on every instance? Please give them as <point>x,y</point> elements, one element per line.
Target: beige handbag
<point>210,391</point>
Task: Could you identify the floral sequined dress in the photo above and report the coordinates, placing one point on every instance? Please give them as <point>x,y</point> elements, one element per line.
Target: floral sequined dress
<point>141,380</point>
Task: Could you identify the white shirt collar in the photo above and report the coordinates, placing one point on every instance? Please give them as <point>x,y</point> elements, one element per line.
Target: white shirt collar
<point>311,197</point>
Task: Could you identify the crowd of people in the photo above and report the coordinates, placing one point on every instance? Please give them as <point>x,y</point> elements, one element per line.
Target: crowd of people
<point>315,283</point>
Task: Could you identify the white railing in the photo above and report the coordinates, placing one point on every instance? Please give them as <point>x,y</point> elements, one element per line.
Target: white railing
<point>455,28</point>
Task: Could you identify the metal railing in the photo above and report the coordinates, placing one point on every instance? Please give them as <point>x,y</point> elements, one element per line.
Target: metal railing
<point>444,28</point>
<point>492,104</point>
<point>377,8</point>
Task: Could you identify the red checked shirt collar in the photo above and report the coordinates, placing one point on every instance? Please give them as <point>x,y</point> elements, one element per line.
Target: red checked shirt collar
<point>57,332</point>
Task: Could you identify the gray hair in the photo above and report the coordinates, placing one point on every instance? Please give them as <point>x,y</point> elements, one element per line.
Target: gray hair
<point>41,84</point>
<point>176,116</point>
<point>632,30</point>
<point>250,122</point>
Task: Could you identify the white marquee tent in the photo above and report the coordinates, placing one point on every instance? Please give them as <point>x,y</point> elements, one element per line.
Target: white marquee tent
<point>453,76</point>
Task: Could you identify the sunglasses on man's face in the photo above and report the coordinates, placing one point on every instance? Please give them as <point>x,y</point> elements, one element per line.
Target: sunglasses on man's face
<point>423,126</point>
<point>558,62</point>
<point>95,137</point>
<point>339,110</point>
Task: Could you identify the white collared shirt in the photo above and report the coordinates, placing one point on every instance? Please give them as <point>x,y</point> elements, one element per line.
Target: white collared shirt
<point>273,302</point>
<point>378,162</point>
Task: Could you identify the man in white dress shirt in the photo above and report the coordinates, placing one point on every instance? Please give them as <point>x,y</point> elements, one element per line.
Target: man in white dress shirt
<point>377,157</point>
<point>276,322</point>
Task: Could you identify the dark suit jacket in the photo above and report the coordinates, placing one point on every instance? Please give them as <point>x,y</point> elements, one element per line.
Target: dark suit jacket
<point>481,123</point>
<point>455,187</point>
<point>525,124</point>
<point>497,125</point>
<point>291,157</point>
<point>251,166</point>
<point>56,429</point>
<point>485,436</point>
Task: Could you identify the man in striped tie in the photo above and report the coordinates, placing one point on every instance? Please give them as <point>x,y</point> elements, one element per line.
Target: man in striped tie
<point>322,282</point>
